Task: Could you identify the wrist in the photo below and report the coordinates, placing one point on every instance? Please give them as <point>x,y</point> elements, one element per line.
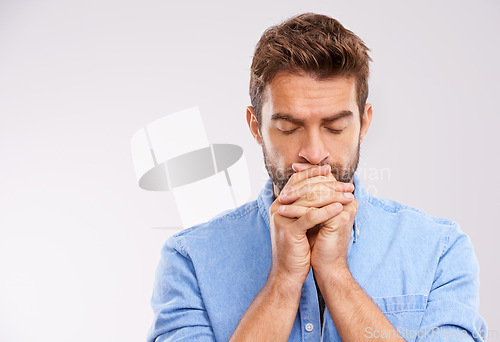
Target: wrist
<point>333,276</point>
<point>284,287</point>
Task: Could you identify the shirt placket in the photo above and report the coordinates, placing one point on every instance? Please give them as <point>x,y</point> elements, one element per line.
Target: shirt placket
<point>309,311</point>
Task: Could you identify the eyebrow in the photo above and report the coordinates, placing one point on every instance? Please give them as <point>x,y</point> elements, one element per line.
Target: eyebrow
<point>288,117</point>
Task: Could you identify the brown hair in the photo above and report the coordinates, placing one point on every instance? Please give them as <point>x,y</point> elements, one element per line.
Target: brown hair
<point>314,43</point>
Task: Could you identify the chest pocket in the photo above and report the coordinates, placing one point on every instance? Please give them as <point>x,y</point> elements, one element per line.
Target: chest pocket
<point>404,312</point>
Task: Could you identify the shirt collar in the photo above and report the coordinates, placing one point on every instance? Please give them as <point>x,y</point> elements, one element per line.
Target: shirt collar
<point>266,195</point>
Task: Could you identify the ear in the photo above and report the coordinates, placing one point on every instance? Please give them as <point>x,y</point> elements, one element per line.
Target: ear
<point>367,120</point>
<point>253,125</point>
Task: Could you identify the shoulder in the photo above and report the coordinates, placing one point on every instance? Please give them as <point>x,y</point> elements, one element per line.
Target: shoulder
<point>414,222</point>
<point>221,221</point>
<point>220,228</point>
<point>438,240</point>
<point>394,208</point>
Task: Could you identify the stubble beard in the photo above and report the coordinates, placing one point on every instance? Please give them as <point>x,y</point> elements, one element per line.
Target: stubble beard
<point>280,176</point>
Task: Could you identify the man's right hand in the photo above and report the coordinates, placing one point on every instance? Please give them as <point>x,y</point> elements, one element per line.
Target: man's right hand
<point>291,250</point>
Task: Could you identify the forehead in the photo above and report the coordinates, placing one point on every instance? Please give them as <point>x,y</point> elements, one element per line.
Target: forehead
<point>305,96</point>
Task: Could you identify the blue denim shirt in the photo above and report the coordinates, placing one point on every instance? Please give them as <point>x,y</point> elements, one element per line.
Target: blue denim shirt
<point>420,270</point>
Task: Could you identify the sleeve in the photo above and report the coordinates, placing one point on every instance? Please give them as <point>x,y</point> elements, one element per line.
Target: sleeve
<point>453,302</point>
<point>179,311</point>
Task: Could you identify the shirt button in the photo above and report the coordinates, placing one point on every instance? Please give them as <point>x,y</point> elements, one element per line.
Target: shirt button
<point>309,327</point>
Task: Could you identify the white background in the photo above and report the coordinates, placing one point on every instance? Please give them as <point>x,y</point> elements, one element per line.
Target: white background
<point>79,78</point>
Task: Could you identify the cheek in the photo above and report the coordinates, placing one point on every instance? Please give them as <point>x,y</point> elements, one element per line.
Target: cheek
<point>280,143</point>
<point>278,154</point>
<point>343,147</point>
<point>281,151</point>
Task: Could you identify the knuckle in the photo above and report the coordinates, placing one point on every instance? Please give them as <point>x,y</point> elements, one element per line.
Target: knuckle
<point>345,216</point>
<point>323,194</point>
<point>311,196</point>
<point>324,186</point>
<point>273,209</point>
<point>329,185</point>
<point>274,217</point>
<point>352,207</point>
<point>331,224</point>
<point>333,209</point>
<point>340,184</point>
<point>310,214</point>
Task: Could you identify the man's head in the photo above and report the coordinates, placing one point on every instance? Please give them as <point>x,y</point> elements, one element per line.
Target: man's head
<point>308,89</point>
<point>314,43</point>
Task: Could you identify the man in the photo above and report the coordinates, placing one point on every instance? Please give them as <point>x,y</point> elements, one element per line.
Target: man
<point>315,257</point>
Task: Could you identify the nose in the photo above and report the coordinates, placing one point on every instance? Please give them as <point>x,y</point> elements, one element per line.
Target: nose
<point>313,149</point>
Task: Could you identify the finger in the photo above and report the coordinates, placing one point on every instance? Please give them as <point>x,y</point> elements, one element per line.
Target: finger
<point>321,198</point>
<point>311,172</point>
<point>330,182</point>
<point>352,207</point>
<point>314,216</point>
<point>316,195</point>
<point>292,193</point>
<point>348,213</point>
<point>298,167</point>
<point>293,211</point>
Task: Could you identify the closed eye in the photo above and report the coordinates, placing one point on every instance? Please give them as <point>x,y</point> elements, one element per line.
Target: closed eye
<point>289,131</point>
<point>334,131</point>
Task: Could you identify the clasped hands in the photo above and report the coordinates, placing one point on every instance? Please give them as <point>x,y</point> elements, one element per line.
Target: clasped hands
<point>311,223</point>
